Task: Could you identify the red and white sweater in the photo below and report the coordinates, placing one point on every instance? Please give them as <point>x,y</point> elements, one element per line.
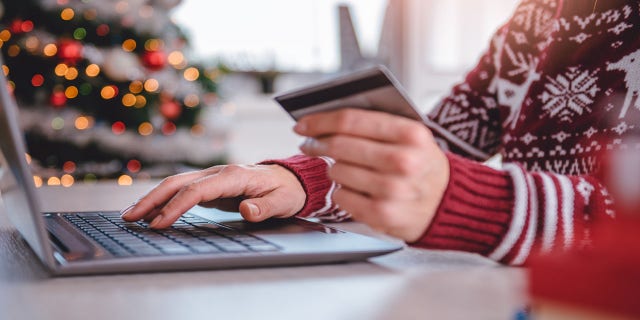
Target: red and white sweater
<point>559,84</point>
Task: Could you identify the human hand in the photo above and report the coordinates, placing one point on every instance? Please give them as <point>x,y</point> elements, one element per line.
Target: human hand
<point>257,191</point>
<point>391,171</point>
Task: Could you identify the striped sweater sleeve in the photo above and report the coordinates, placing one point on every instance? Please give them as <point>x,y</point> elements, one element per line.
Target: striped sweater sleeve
<point>509,214</point>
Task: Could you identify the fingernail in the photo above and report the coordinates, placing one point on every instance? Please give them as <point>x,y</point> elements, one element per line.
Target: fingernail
<point>155,221</point>
<point>253,209</point>
<point>312,145</point>
<point>124,212</point>
<point>300,127</point>
<point>308,143</point>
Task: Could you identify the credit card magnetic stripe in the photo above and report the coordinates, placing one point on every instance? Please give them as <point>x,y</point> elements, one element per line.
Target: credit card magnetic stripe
<point>292,102</point>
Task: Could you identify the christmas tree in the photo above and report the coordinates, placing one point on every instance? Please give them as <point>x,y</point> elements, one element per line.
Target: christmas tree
<point>105,89</point>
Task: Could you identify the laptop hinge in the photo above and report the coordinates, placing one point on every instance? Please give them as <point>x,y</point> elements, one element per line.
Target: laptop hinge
<point>67,243</point>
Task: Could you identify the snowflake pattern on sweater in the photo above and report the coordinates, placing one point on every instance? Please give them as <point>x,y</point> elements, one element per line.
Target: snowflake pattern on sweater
<point>559,84</point>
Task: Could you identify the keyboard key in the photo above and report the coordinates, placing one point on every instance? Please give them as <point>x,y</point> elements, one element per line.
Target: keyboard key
<point>264,247</point>
<point>205,248</point>
<point>232,247</point>
<point>176,250</point>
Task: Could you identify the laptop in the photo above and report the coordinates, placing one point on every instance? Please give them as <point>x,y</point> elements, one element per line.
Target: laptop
<point>94,242</point>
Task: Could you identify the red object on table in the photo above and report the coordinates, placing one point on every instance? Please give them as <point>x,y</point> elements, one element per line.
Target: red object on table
<point>605,278</point>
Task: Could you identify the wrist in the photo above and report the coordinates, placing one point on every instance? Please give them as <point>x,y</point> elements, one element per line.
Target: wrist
<point>311,173</point>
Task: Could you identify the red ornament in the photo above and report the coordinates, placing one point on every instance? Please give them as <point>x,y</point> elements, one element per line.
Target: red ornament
<point>16,26</point>
<point>118,127</point>
<point>170,110</point>
<point>154,60</point>
<point>27,26</point>
<point>58,99</point>
<point>168,128</point>
<point>70,51</point>
<point>102,30</point>
<point>37,80</point>
<point>134,165</point>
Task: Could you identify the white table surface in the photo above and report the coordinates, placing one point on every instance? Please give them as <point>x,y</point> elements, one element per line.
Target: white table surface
<point>410,284</point>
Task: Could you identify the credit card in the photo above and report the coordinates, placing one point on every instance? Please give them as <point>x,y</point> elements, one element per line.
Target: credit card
<point>374,89</point>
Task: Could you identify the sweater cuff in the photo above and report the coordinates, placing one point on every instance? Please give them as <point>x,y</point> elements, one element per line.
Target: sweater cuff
<point>475,211</point>
<point>312,174</point>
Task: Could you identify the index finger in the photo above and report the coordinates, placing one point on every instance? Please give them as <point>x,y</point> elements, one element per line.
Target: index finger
<point>228,183</point>
<point>160,194</point>
<point>376,125</point>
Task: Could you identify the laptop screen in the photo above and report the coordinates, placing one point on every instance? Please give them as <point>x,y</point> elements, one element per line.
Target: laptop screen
<point>16,182</point>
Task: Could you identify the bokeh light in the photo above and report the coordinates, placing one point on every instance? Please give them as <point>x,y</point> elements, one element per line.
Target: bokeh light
<point>67,180</point>
<point>57,123</point>
<point>13,51</point>
<point>141,101</point>
<point>153,44</point>
<point>118,127</point>
<point>129,100</point>
<point>82,123</point>
<point>191,74</point>
<point>125,180</point>
<point>176,59</point>
<point>61,69</point>
<point>37,80</point>
<point>71,74</point>
<point>92,70</point>
<point>71,92</point>
<point>109,92</point>
<point>191,100</point>
<point>151,85</point>
<point>79,33</point>
<point>90,178</point>
<point>32,43</point>
<point>134,165</point>
<point>168,128</point>
<point>102,30</point>
<point>50,50</point>
<point>197,130</point>
<point>85,89</point>
<point>67,14</point>
<point>145,129</point>
<point>5,35</point>
<point>53,181</point>
<point>69,167</point>
<point>37,181</point>
<point>129,45</point>
<point>136,86</point>
<point>122,7</point>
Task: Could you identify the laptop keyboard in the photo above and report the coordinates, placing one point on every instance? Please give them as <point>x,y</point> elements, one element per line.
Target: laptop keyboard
<point>189,235</point>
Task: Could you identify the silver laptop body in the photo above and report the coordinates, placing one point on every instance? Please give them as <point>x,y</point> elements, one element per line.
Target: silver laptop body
<point>58,239</point>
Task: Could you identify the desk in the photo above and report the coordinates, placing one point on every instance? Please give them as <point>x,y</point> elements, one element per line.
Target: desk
<point>411,284</point>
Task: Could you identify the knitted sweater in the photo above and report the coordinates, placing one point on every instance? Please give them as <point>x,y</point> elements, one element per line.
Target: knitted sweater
<point>558,85</point>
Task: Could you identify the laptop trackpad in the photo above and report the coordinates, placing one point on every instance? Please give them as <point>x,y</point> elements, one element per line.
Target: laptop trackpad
<point>277,226</point>
<point>280,226</point>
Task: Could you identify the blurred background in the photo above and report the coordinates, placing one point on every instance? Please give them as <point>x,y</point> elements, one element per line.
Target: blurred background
<point>139,89</point>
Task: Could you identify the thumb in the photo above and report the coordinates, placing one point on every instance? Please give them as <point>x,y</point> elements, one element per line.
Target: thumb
<point>259,209</point>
